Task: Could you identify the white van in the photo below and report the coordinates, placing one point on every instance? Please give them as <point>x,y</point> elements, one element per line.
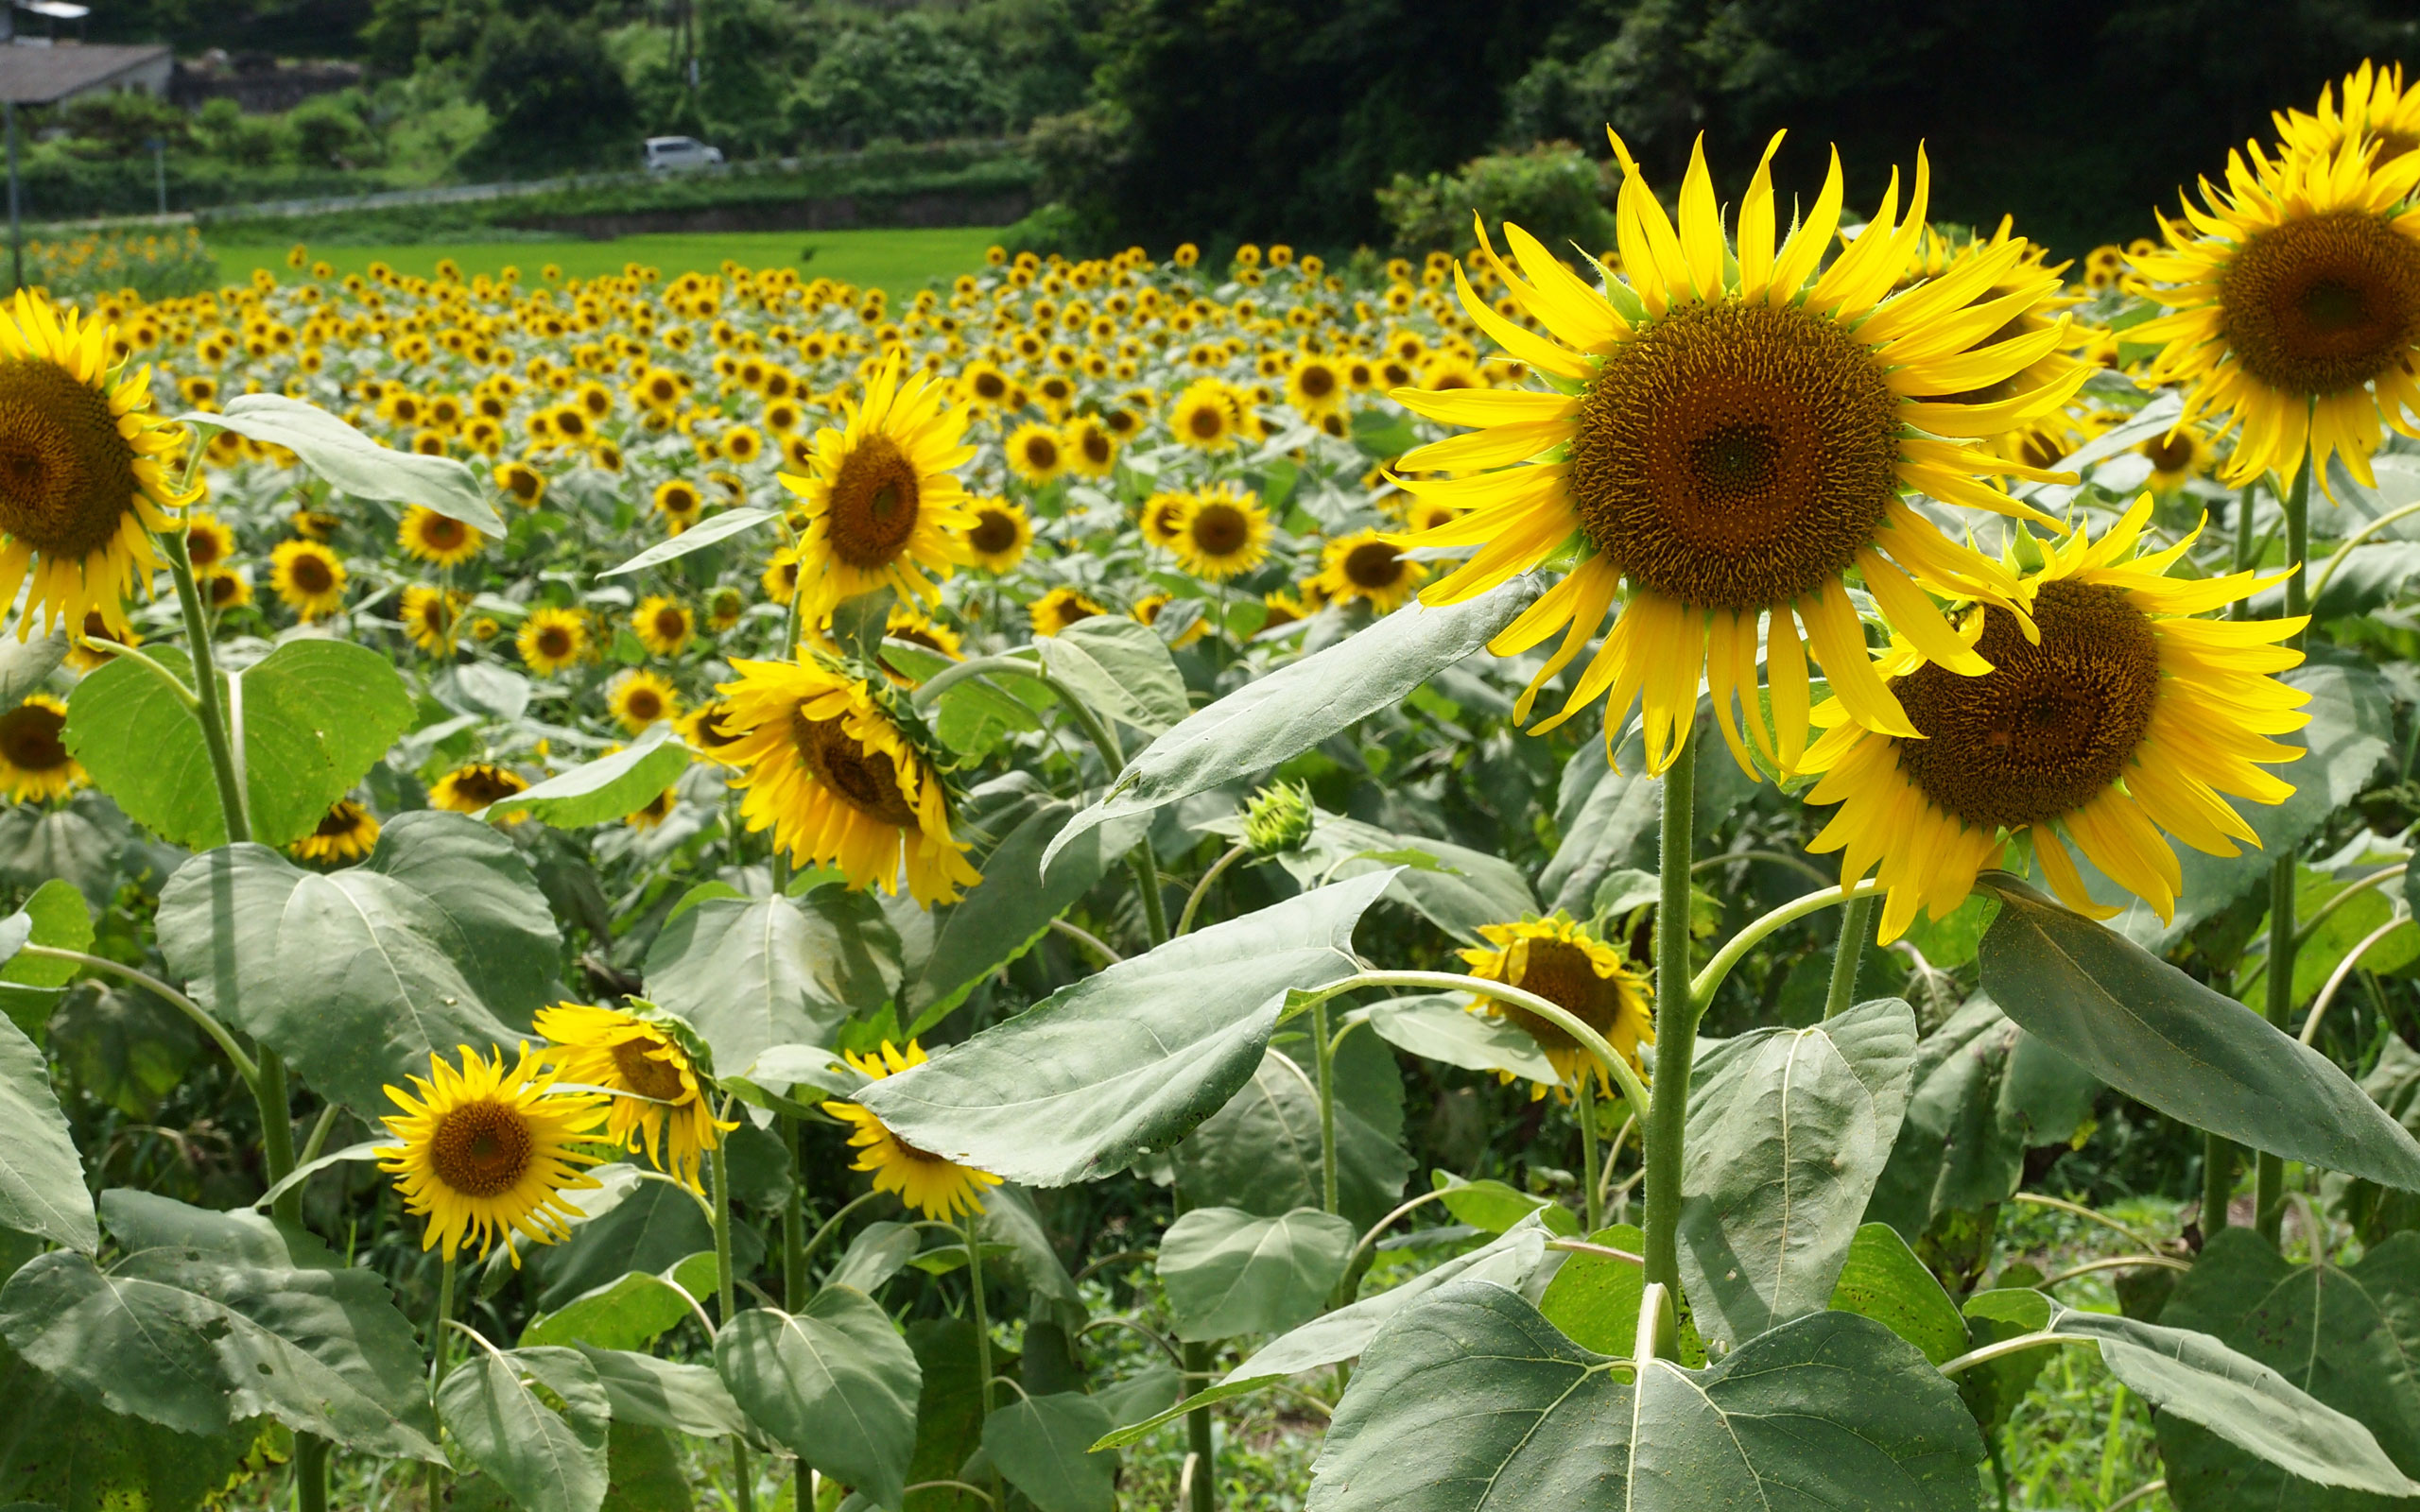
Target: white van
<point>665,154</point>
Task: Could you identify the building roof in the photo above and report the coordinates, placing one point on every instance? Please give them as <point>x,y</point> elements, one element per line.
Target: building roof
<point>46,76</point>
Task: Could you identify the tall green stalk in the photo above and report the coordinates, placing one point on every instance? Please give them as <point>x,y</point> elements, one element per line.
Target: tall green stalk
<point>2219,1154</point>
<point>1324,1054</point>
<point>440,1345</point>
<point>2268,1170</point>
<point>1676,1024</point>
<point>727,1306</point>
<point>1591,1200</point>
<point>1846,956</point>
<point>982,1332</point>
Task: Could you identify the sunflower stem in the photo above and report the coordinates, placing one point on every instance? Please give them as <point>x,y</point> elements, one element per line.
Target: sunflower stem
<point>1201,890</point>
<point>982,1333</point>
<point>310,1472</point>
<point>1199,1445</point>
<point>440,1345</point>
<point>1676,1023</point>
<point>212,712</point>
<point>1145,862</point>
<point>794,1283</point>
<point>1324,1054</point>
<point>1846,956</point>
<point>1592,1201</point>
<point>727,1304</point>
<point>2268,1170</point>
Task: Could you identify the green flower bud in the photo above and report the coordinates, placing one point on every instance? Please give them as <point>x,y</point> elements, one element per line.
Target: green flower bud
<point>1276,819</point>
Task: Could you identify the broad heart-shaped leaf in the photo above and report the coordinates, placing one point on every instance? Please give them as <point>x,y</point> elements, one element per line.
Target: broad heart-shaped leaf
<point>441,939</point>
<point>753,973</point>
<point>352,461</point>
<point>55,916</point>
<point>628,1313</point>
<point>610,788</point>
<point>59,1452</point>
<point>834,1384</point>
<point>665,1394</point>
<point>1301,704</point>
<point>1594,1298</point>
<point>2352,721</point>
<point>1471,1399</point>
<point>1984,1093</point>
<point>696,538</point>
<point>213,1318</point>
<point>1228,1272</point>
<point>26,666</point>
<point>1787,1130</point>
<point>1440,1026</point>
<point>1128,1060</point>
<point>547,1458</point>
<point>1120,668</point>
<point>315,713</point>
<point>2159,1036</point>
<point>1042,1445</point>
<point>1261,1152</point>
<point>2200,1379</point>
<point>2348,1335</point>
<point>1337,1336</point>
<point>1463,891</point>
<point>1884,1280</point>
<point>999,921</point>
<point>41,1179</point>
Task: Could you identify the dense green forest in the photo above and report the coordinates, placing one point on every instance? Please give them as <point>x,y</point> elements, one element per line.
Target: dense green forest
<point>1223,120</point>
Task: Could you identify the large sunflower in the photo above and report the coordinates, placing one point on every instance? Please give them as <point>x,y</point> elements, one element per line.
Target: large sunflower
<point>345,832</point>
<point>2125,717</point>
<point>487,1154</point>
<point>1000,535</point>
<point>937,1186</point>
<point>668,1121</point>
<point>309,577</point>
<point>1562,962</point>
<point>883,506</point>
<point>81,459</point>
<point>34,763</point>
<point>1728,437</point>
<point>2294,306</point>
<point>2377,109</point>
<point>838,782</point>
<point>1225,534</point>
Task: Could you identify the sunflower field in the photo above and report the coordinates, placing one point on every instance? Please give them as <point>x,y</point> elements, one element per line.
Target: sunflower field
<point>1761,867</point>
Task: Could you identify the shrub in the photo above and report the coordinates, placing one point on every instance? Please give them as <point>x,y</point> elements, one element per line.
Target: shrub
<point>1553,191</point>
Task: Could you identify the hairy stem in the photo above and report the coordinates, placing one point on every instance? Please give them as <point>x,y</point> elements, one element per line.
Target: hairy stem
<point>1676,1024</point>
<point>727,1305</point>
<point>1845,957</point>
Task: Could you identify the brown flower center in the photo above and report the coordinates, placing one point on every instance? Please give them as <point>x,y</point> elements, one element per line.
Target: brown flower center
<point>30,738</point>
<point>483,784</point>
<point>2169,454</point>
<point>1561,974</point>
<point>554,643</point>
<point>1373,564</point>
<point>866,779</point>
<point>66,475</point>
<point>481,1149</point>
<point>442,533</point>
<point>2322,305</point>
<point>646,1074</point>
<point>2051,726</point>
<point>996,531</point>
<point>309,573</point>
<point>1735,456</point>
<point>1218,529</point>
<point>1207,422</point>
<point>1317,381</point>
<point>1040,453</point>
<point>873,504</point>
<point>644,704</point>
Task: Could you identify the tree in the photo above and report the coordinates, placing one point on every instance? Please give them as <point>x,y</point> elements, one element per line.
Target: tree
<point>909,78</point>
<point>555,100</point>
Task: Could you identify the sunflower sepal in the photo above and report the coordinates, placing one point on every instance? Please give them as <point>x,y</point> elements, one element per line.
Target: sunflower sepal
<point>680,1031</point>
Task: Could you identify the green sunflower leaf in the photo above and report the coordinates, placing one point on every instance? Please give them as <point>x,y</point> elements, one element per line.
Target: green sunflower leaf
<point>834,1383</point>
<point>696,538</point>
<point>1043,1444</point>
<point>1228,1272</point>
<point>752,973</point>
<point>2161,1037</point>
<point>535,1421</point>
<point>41,1177</point>
<point>611,787</point>
<point>1296,707</point>
<point>352,461</point>
<point>1128,1060</point>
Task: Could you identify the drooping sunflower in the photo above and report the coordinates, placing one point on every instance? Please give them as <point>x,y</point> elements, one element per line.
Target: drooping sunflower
<point>552,639</point>
<point>345,832</point>
<point>2126,717</point>
<point>938,1188</point>
<point>470,788</point>
<point>487,1152</point>
<point>1037,452</point>
<point>838,781</point>
<point>999,536</point>
<point>2294,307</point>
<point>883,502</point>
<point>34,763</point>
<point>668,1121</point>
<point>905,624</point>
<point>82,484</point>
<point>309,577</point>
<point>429,618</point>
<point>1062,606</point>
<point>1225,534</point>
<point>1730,436</point>
<point>1562,962</point>
<point>662,625</point>
<point>1371,566</point>
<point>639,698</point>
<point>707,733</point>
